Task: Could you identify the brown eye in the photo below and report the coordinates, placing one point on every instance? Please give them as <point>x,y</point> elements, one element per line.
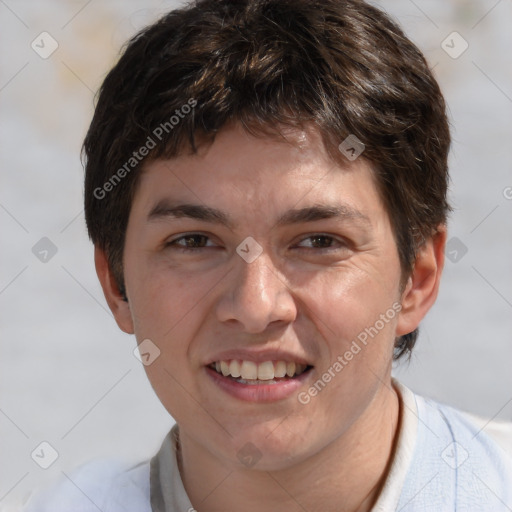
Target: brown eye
<point>193,241</point>
<point>320,241</point>
<point>190,242</point>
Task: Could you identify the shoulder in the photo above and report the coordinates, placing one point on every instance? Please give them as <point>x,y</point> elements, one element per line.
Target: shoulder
<point>499,431</point>
<point>465,464</point>
<point>480,434</point>
<point>455,461</point>
<point>107,485</point>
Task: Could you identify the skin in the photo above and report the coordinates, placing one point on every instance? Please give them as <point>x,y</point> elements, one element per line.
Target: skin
<point>308,296</point>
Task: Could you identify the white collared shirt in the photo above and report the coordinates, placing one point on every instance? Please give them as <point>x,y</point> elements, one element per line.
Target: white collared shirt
<point>443,462</point>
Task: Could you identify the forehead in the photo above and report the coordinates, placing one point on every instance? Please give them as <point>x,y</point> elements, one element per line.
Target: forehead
<point>260,174</point>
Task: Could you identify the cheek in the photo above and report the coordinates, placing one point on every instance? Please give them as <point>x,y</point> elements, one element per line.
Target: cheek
<point>344,305</point>
<point>163,298</point>
<point>167,310</point>
<point>346,312</point>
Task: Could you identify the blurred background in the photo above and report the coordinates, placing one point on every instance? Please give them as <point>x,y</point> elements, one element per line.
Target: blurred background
<point>68,375</point>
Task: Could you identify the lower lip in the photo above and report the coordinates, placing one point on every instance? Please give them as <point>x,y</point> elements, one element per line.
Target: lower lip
<point>258,392</point>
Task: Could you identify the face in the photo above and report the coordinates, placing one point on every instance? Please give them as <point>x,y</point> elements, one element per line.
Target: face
<point>254,258</point>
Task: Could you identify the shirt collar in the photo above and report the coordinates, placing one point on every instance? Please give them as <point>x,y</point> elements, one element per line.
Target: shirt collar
<point>168,493</point>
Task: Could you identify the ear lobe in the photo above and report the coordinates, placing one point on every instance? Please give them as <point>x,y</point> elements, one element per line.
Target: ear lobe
<point>422,286</point>
<point>115,300</point>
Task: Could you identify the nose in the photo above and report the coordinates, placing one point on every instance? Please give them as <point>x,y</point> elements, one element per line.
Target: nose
<point>256,295</point>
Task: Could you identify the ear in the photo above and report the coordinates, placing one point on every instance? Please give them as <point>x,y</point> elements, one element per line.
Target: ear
<point>119,307</point>
<point>422,286</point>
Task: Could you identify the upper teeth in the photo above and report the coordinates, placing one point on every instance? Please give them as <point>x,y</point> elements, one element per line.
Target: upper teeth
<point>249,370</point>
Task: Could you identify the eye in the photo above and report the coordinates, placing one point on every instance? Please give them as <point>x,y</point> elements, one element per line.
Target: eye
<point>322,241</point>
<point>189,242</point>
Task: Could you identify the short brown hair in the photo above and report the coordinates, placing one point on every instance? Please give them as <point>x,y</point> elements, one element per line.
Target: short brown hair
<point>342,65</point>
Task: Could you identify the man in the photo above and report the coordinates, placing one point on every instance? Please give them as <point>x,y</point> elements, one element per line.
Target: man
<point>266,191</point>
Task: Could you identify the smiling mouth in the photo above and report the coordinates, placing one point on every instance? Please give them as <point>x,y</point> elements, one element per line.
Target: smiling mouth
<point>268,372</point>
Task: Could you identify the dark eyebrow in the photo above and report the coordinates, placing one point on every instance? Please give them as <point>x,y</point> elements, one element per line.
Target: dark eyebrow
<point>166,209</point>
<point>321,212</point>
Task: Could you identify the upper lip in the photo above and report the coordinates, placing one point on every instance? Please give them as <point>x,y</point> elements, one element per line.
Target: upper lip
<point>258,356</point>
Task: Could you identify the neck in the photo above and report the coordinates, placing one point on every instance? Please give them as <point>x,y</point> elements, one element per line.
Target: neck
<point>347,475</point>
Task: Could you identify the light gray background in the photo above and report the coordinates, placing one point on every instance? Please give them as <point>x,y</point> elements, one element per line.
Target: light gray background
<point>68,375</point>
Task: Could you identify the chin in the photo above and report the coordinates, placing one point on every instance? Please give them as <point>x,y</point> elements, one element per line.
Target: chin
<point>267,449</point>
